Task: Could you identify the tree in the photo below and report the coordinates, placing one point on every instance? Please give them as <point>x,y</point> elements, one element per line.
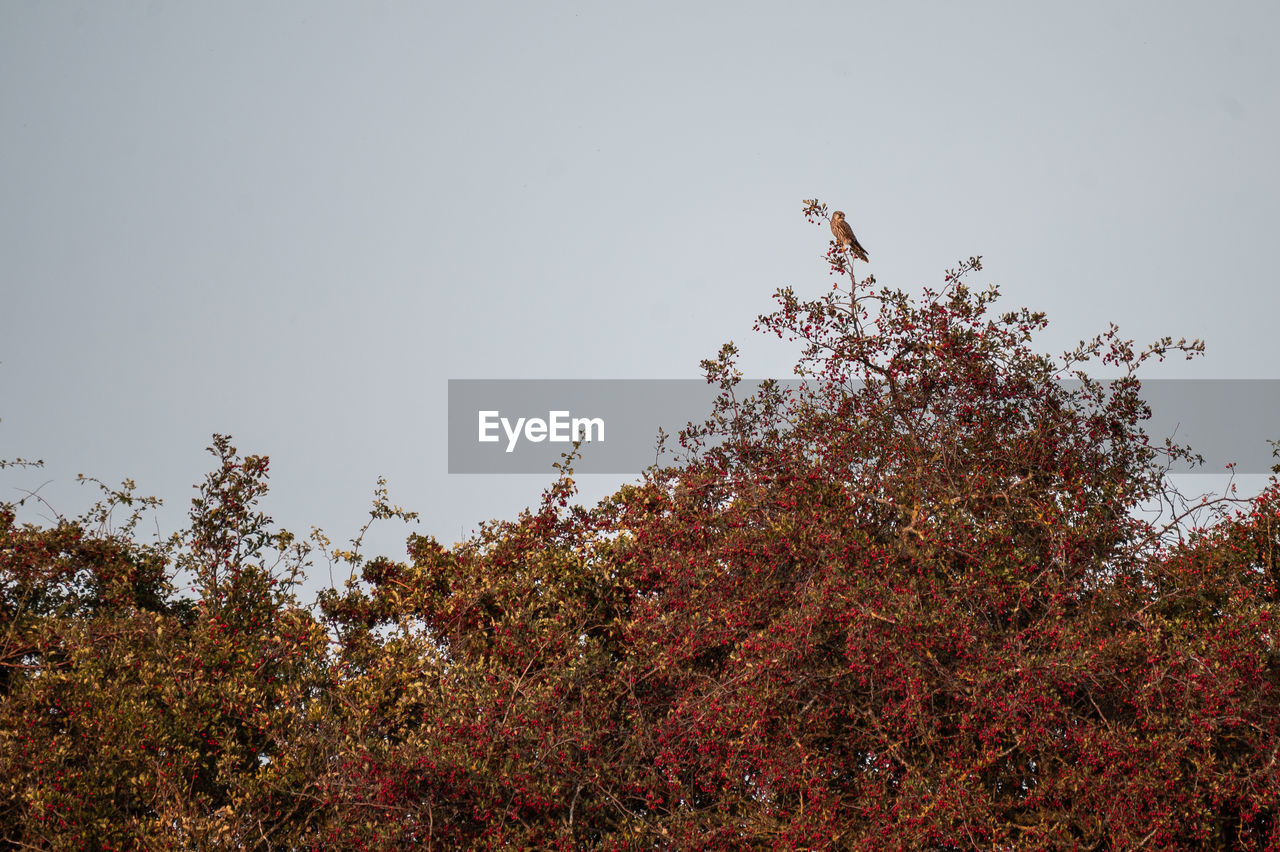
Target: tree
<point>482,704</point>
<point>917,603</point>
<point>914,604</point>
<point>133,717</point>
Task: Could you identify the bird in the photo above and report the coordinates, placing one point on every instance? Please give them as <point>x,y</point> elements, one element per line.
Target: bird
<point>845,237</point>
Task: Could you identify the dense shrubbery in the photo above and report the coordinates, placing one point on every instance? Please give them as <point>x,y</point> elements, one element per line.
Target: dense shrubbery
<point>914,606</point>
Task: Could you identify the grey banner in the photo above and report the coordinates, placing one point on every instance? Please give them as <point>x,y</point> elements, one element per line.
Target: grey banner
<point>524,426</point>
<point>1224,420</point>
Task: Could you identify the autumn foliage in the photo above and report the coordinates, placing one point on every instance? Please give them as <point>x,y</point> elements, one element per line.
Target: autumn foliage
<point>936,599</point>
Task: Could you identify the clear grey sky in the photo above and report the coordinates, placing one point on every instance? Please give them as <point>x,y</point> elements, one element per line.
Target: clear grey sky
<point>295,221</point>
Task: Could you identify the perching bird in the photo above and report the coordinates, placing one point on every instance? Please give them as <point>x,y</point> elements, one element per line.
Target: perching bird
<point>845,237</point>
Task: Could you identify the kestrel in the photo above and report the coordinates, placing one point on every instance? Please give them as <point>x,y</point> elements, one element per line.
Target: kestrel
<point>845,237</point>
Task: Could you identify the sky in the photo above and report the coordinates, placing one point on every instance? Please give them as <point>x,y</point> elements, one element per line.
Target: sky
<point>295,222</point>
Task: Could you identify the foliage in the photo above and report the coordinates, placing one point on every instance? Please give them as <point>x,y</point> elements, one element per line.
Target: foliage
<point>134,717</point>
<point>916,604</point>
